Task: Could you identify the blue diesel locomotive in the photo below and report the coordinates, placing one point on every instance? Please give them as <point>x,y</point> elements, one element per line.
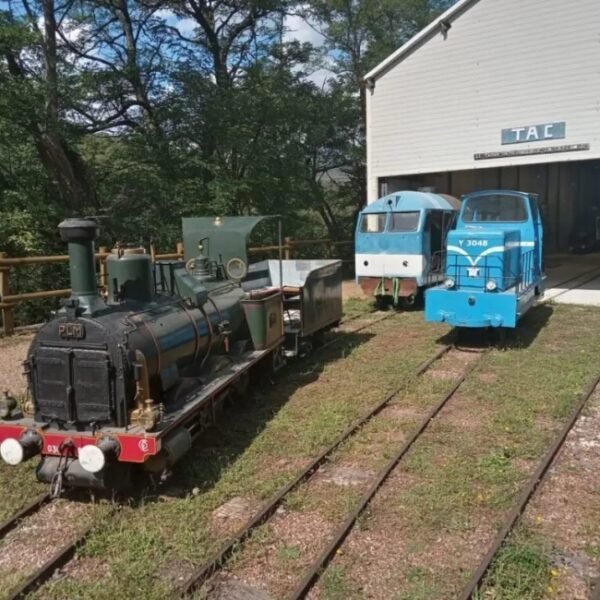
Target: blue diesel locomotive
<point>493,271</point>
<point>399,245</point>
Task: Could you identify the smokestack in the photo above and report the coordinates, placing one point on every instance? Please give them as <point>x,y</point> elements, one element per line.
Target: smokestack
<point>80,235</point>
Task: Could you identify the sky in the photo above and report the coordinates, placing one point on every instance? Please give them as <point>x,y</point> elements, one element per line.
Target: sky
<point>296,29</point>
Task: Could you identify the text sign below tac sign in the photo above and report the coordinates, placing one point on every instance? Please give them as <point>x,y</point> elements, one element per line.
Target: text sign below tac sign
<point>534,133</point>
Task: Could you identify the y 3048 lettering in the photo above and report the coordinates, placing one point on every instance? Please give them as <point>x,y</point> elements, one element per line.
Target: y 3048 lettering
<point>472,243</point>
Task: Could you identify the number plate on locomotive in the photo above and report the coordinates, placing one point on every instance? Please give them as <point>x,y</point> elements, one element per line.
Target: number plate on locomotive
<point>71,331</point>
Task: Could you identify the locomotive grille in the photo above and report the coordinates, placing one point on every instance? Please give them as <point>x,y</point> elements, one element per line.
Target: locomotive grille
<point>51,383</point>
<point>73,385</point>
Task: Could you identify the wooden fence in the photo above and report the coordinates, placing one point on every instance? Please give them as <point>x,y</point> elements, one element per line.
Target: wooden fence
<point>8,300</point>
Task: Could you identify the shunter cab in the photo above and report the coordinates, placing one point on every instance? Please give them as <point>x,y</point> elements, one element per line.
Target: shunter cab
<point>493,271</point>
<point>400,245</point>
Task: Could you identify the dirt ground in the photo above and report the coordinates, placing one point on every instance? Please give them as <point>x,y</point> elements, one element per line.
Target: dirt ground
<point>566,510</point>
<point>13,351</point>
<point>350,289</point>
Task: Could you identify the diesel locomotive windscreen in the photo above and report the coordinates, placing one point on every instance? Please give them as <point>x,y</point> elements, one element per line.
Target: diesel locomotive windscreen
<point>404,222</point>
<point>505,208</point>
<point>373,223</point>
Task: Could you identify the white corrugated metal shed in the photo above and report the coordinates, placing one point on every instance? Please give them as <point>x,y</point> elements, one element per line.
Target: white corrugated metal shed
<point>441,103</point>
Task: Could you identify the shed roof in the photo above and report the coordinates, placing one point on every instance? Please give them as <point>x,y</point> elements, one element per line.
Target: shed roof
<point>420,38</point>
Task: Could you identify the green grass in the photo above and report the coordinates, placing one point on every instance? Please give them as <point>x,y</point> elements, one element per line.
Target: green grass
<point>289,553</point>
<point>462,476</point>
<point>260,447</point>
<point>335,585</point>
<point>18,485</point>
<point>521,571</point>
<point>418,585</point>
<point>459,475</point>
<point>356,306</point>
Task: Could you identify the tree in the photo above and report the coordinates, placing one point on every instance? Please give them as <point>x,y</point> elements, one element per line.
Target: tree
<point>29,77</point>
<point>358,35</point>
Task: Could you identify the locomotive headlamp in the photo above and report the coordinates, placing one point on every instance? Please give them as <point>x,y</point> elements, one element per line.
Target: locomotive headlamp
<point>491,285</point>
<point>14,452</point>
<point>449,283</point>
<point>94,458</point>
<point>91,458</point>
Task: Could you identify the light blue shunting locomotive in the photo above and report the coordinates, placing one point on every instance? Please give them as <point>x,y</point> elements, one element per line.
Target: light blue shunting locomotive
<point>493,271</point>
<point>399,244</point>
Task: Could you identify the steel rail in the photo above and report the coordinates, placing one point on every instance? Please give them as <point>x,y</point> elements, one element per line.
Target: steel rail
<point>526,495</point>
<point>354,317</point>
<point>27,510</point>
<point>55,562</point>
<point>337,340</point>
<point>204,572</point>
<point>47,570</point>
<point>315,570</point>
<point>65,554</point>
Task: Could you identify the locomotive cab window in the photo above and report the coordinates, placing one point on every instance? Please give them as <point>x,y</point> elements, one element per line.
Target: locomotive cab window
<point>504,208</point>
<point>373,223</point>
<point>404,222</point>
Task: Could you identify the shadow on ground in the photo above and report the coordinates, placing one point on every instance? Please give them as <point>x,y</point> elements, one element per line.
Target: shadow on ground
<point>524,334</point>
<point>241,422</point>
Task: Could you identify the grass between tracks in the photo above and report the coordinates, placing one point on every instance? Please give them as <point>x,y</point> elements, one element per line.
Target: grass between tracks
<point>450,494</point>
<point>260,447</point>
<point>517,402</point>
<point>17,487</point>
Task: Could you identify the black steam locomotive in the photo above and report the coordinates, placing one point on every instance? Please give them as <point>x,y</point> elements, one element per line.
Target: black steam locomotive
<point>120,383</point>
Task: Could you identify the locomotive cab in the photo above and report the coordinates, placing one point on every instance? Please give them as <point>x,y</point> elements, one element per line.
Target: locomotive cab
<point>493,270</point>
<point>399,245</point>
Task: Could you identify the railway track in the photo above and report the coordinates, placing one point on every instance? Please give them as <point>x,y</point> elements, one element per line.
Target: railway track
<point>12,522</point>
<point>56,561</point>
<point>478,578</point>
<point>218,561</point>
<point>64,554</point>
<point>49,568</point>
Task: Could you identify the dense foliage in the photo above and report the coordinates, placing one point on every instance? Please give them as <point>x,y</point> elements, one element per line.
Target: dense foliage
<point>142,111</point>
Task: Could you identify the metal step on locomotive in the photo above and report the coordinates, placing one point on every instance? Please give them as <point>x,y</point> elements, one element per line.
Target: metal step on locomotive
<point>120,384</point>
<point>399,245</point>
<point>493,271</point>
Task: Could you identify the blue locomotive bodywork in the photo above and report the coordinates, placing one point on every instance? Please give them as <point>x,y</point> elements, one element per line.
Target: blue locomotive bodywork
<point>493,270</point>
<point>399,244</point>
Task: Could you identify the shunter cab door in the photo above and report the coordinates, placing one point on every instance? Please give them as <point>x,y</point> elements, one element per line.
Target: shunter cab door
<point>538,231</point>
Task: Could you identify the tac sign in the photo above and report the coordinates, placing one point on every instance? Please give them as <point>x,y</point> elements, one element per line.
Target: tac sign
<point>534,133</point>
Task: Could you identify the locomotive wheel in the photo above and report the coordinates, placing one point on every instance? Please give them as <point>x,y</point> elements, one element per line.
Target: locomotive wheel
<point>410,302</point>
<point>381,302</point>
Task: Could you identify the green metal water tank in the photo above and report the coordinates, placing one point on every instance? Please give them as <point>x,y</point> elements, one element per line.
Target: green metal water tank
<point>129,272</point>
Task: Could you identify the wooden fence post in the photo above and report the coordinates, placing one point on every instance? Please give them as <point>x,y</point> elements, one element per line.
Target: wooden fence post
<point>7,315</point>
<point>287,248</point>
